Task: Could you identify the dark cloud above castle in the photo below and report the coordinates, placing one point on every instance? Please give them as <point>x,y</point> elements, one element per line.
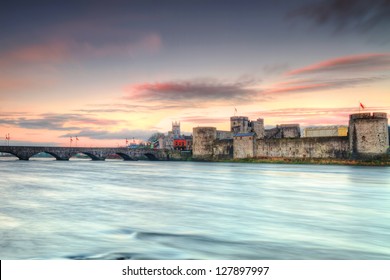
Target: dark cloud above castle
<point>192,90</point>
<point>347,15</point>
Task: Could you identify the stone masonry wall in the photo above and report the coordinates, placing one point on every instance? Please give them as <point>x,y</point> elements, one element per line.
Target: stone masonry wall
<point>221,134</point>
<point>243,146</point>
<point>321,147</point>
<point>223,149</point>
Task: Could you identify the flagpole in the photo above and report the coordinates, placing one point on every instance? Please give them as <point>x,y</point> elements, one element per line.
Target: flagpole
<point>7,138</point>
<point>361,106</point>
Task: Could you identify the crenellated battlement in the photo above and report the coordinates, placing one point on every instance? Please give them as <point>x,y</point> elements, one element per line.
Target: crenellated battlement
<point>375,115</point>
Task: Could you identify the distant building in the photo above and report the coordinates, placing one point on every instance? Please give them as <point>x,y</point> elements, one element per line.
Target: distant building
<point>183,143</point>
<point>176,129</point>
<point>188,142</point>
<point>179,144</point>
<point>134,146</point>
<point>326,131</point>
<point>166,142</point>
<point>174,140</point>
<point>242,124</point>
<point>283,131</point>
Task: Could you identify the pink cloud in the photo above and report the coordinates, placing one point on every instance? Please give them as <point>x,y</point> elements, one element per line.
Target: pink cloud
<point>299,88</point>
<point>58,51</point>
<point>362,62</point>
<point>11,84</point>
<point>319,84</point>
<point>54,51</point>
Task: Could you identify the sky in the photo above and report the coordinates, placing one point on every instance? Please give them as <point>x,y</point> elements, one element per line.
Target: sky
<point>105,71</point>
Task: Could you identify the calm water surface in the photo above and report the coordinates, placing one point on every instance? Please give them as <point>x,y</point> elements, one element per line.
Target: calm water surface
<point>187,210</point>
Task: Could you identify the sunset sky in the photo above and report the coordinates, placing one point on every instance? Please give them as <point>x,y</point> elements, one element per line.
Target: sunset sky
<point>116,69</point>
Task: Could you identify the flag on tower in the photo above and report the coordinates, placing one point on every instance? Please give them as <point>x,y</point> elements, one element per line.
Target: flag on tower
<point>361,105</point>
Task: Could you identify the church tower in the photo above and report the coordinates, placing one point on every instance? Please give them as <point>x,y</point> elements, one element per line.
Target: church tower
<point>176,129</point>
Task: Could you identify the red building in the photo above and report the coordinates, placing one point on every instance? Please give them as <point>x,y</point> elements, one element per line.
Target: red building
<point>180,144</point>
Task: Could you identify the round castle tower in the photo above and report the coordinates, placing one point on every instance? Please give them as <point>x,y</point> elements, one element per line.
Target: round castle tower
<point>203,141</point>
<point>368,134</point>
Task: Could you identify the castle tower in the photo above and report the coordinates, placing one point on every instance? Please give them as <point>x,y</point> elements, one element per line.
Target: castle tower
<point>368,134</point>
<point>203,142</point>
<point>258,128</point>
<point>176,129</point>
<point>239,124</point>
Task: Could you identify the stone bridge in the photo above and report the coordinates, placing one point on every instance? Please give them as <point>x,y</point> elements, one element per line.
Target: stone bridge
<point>65,153</point>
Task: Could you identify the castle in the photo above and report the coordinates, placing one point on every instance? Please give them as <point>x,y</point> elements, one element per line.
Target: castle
<point>367,137</point>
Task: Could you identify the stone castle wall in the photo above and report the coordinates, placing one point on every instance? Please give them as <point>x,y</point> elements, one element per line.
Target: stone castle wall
<point>222,149</point>
<point>243,146</point>
<point>368,136</point>
<point>315,147</point>
<point>221,134</point>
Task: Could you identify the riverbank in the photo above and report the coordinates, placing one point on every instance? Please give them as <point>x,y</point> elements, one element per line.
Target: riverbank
<point>361,162</point>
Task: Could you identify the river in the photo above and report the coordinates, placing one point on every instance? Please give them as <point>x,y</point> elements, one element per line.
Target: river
<point>113,209</point>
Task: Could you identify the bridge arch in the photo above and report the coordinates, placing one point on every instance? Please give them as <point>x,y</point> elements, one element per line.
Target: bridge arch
<point>124,156</point>
<point>151,156</point>
<point>49,153</point>
<point>10,155</point>
<point>88,154</point>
